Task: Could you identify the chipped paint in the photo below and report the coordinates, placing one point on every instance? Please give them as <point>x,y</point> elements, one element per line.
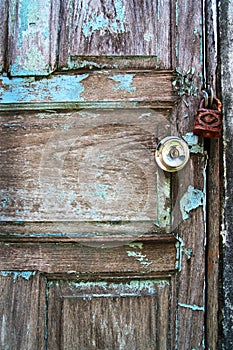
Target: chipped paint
<point>192,141</point>
<point>57,89</point>
<point>31,25</point>
<point>138,245</point>
<point>183,83</point>
<point>192,307</point>
<point>139,257</point>
<point>18,274</point>
<point>131,288</point>
<point>101,24</point>
<point>179,252</point>
<point>124,82</point>
<point>192,199</point>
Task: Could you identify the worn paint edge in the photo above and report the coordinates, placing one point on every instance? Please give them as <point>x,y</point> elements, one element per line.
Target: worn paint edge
<point>17,274</point>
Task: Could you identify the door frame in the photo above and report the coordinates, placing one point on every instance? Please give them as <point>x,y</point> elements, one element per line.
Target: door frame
<point>226,174</point>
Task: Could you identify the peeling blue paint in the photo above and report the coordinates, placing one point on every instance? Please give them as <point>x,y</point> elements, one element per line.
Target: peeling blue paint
<point>125,82</point>
<point>192,141</point>
<point>18,274</point>
<point>192,307</point>
<point>102,24</point>
<point>192,199</point>
<point>57,89</point>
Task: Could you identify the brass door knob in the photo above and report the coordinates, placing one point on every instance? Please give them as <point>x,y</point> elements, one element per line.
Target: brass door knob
<point>172,154</point>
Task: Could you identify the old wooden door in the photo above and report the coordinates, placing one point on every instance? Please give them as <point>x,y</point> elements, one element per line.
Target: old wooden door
<point>100,248</point>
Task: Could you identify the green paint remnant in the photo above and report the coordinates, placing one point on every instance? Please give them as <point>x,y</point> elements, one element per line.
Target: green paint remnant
<point>18,274</point>
<point>102,24</point>
<point>138,245</point>
<point>183,83</point>
<point>192,199</point>
<point>192,141</point>
<point>139,257</point>
<point>125,82</point>
<point>192,307</point>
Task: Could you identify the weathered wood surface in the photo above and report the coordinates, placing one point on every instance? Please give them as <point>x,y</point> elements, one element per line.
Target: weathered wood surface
<point>191,233</point>
<point>115,28</point>
<point>226,34</point>
<point>179,50</point>
<point>71,258</point>
<point>213,188</point>
<point>48,33</point>
<point>128,315</point>
<point>32,37</point>
<point>84,166</point>
<point>22,310</point>
<point>147,87</point>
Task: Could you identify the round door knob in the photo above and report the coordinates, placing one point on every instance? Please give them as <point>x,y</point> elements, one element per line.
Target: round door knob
<point>172,154</point>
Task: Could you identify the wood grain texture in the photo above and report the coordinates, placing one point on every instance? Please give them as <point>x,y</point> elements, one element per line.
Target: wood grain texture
<point>74,258</point>
<point>128,315</point>
<point>213,188</point>
<point>32,37</point>
<point>188,59</point>
<point>147,87</point>
<point>84,166</point>
<point>22,310</point>
<point>107,28</point>
<point>226,34</point>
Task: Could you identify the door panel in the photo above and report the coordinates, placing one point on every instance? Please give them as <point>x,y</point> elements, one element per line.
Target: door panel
<point>113,315</point>
<point>118,243</point>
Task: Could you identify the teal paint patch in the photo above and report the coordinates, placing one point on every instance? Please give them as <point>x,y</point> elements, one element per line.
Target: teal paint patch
<point>56,89</point>
<point>5,200</point>
<point>124,82</point>
<point>192,199</point>
<point>102,24</point>
<point>179,252</point>
<point>192,307</point>
<point>18,274</point>
<point>192,141</point>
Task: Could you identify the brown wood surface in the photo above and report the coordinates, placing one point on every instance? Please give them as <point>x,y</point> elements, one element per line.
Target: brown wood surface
<point>40,224</point>
<point>74,258</point>
<point>111,313</point>
<point>84,166</point>
<point>120,28</point>
<point>22,310</point>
